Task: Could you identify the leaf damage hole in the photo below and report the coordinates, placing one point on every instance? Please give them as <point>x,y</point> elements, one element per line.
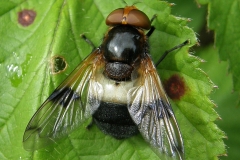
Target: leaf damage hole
<point>175,87</point>
<point>58,64</point>
<point>26,17</point>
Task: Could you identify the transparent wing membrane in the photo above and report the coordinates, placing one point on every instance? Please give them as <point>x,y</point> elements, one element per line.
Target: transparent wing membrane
<point>67,107</point>
<point>150,110</point>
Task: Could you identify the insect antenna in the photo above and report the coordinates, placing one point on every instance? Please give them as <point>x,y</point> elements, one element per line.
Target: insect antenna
<point>170,50</point>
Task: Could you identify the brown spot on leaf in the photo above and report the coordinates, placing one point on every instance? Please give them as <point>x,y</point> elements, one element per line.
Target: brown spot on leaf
<point>26,17</point>
<point>58,64</point>
<point>175,87</point>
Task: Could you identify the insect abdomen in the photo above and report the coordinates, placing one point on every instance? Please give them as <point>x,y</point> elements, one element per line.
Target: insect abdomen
<point>114,119</point>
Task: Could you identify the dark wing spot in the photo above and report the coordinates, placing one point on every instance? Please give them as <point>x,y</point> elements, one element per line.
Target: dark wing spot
<point>158,105</point>
<point>175,87</point>
<point>26,17</point>
<point>63,96</point>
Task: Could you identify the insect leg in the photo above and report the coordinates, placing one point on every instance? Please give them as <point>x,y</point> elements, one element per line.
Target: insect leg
<point>152,27</point>
<point>88,41</point>
<point>170,50</point>
<point>154,17</point>
<point>149,33</point>
<point>89,126</point>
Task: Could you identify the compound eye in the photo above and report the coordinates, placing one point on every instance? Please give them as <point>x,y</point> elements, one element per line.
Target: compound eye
<point>129,15</point>
<point>139,19</point>
<point>115,17</point>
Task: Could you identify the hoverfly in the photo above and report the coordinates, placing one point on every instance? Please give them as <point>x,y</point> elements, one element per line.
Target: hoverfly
<point>118,85</point>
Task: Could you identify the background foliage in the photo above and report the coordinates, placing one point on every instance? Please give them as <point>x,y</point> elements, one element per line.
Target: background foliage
<point>220,49</point>
<point>25,53</point>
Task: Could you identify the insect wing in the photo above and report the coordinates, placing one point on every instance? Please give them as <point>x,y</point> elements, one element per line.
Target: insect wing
<point>151,111</point>
<point>67,107</point>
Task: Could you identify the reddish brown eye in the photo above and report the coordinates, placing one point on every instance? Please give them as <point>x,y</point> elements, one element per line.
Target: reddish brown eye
<point>139,19</point>
<point>129,15</point>
<point>115,17</point>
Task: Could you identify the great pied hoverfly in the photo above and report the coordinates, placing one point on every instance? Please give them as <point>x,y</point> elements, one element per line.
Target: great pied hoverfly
<point>118,85</point>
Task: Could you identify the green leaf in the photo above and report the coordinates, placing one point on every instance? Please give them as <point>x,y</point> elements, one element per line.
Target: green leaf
<point>190,9</point>
<point>225,99</point>
<point>27,54</point>
<point>223,18</point>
